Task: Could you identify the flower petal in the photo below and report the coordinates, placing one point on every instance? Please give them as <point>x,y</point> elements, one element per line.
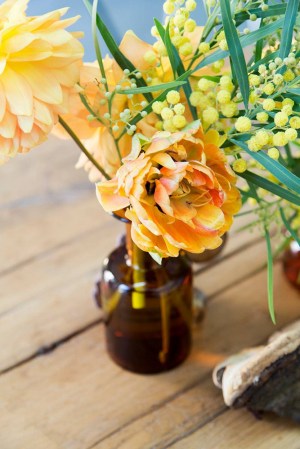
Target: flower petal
<point>18,92</point>
<point>107,194</point>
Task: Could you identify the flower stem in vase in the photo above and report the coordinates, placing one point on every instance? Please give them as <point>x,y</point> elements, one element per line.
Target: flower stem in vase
<point>138,294</point>
<point>137,259</point>
<point>165,324</point>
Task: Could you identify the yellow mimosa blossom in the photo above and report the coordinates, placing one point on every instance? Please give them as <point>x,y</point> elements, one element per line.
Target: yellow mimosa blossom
<point>39,67</point>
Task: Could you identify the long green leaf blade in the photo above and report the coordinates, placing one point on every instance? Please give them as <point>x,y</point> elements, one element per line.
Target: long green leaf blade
<point>95,39</point>
<point>288,226</point>
<point>273,11</point>
<point>278,170</point>
<point>288,27</point>
<point>266,59</point>
<point>247,40</point>
<point>235,50</point>
<point>270,276</point>
<point>175,61</point>
<point>271,187</point>
<point>142,90</point>
<point>165,36</point>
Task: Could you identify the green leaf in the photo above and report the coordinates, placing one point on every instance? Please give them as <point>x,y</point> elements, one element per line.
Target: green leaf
<point>265,60</point>
<point>254,193</point>
<point>245,196</point>
<point>165,36</point>
<point>273,11</point>
<point>270,276</point>
<point>215,79</point>
<point>235,50</point>
<point>142,90</point>
<point>95,38</point>
<point>288,27</point>
<point>245,41</point>
<point>288,226</point>
<point>121,59</point>
<point>283,175</point>
<point>177,65</point>
<point>271,187</point>
<point>295,91</point>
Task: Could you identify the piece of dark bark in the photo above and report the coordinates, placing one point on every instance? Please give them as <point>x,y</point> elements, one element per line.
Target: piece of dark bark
<point>265,379</point>
<point>278,389</point>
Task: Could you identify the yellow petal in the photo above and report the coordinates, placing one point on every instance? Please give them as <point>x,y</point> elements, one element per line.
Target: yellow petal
<point>108,196</point>
<point>209,218</point>
<point>42,82</point>
<point>2,102</point>
<point>2,64</point>
<point>162,198</point>
<point>55,37</point>
<point>42,112</point>
<point>165,160</point>
<point>37,51</point>
<point>25,123</point>
<point>134,49</point>
<point>18,92</point>
<point>8,125</point>
<point>17,42</point>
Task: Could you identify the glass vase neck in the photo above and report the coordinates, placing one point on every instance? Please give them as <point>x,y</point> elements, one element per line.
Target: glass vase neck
<point>137,258</point>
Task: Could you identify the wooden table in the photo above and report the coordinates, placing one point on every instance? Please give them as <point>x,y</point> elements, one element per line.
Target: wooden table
<point>58,388</point>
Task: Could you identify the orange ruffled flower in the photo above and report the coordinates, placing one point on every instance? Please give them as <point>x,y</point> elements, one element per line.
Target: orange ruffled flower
<point>39,67</point>
<point>178,190</point>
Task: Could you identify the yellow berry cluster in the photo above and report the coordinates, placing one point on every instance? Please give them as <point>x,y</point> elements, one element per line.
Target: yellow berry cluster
<point>268,87</point>
<point>284,130</point>
<point>180,26</point>
<point>272,78</point>
<point>171,111</point>
<point>213,99</point>
<point>132,106</point>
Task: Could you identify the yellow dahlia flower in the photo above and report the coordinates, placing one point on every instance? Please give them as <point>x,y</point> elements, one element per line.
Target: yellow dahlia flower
<point>39,67</point>
<point>178,191</point>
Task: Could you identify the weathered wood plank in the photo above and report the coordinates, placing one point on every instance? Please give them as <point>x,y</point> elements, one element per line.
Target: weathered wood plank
<point>17,432</point>
<point>77,397</point>
<point>43,205</point>
<point>48,168</point>
<point>230,323</point>
<point>173,420</point>
<point>60,285</point>
<point>236,429</point>
<point>57,256</point>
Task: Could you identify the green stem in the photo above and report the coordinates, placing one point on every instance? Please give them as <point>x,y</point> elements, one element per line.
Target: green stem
<point>118,149</point>
<point>138,294</point>
<point>82,147</point>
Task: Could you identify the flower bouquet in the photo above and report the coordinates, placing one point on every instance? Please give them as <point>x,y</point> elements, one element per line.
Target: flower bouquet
<point>176,134</point>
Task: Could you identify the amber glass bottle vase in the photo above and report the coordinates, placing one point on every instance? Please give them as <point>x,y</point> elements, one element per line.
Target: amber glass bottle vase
<point>147,309</point>
<point>291,264</point>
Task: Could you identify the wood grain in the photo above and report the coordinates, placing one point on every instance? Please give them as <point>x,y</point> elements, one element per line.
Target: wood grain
<point>62,282</point>
<point>232,429</point>
<point>76,396</point>
<point>67,394</point>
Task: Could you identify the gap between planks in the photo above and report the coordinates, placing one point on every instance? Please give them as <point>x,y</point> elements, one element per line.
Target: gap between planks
<point>206,379</point>
<point>96,382</point>
<point>52,346</point>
